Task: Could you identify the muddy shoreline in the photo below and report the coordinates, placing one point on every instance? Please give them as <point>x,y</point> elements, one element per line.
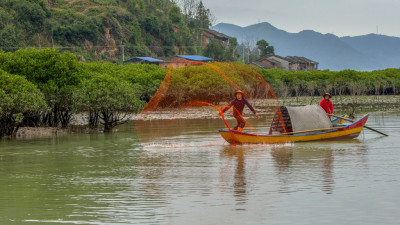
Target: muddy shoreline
<point>347,103</point>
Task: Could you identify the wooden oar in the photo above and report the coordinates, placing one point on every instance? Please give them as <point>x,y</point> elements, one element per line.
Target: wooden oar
<point>370,128</point>
<point>304,131</point>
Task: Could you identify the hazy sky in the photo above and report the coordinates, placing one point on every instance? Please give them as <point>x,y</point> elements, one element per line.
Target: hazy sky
<point>339,17</point>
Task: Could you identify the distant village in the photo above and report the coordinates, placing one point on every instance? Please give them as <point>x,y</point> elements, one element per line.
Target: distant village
<point>294,63</point>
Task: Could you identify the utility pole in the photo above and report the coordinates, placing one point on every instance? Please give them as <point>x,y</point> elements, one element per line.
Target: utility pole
<point>52,40</point>
<point>123,53</point>
<point>243,52</point>
<point>248,56</point>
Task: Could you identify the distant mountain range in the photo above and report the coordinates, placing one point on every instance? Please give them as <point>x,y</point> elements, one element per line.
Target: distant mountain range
<point>365,53</point>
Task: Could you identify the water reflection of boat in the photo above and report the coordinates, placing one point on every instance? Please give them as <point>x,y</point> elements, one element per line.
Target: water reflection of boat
<point>307,123</point>
<point>311,164</point>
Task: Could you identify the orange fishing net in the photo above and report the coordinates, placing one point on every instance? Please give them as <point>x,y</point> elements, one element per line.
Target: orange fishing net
<point>190,89</point>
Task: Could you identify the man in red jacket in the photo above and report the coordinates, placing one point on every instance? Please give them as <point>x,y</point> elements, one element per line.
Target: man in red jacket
<point>327,104</point>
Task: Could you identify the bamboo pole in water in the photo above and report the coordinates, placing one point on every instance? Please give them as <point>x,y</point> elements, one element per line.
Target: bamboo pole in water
<point>370,128</point>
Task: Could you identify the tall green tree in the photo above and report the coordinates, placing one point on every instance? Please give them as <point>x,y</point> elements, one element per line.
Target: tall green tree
<point>264,48</point>
<point>18,97</point>
<point>215,50</point>
<point>174,14</point>
<point>203,16</point>
<point>109,99</point>
<point>231,54</point>
<point>56,75</point>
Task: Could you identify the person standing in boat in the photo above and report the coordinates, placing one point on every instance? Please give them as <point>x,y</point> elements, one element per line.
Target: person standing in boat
<point>327,104</point>
<point>238,103</point>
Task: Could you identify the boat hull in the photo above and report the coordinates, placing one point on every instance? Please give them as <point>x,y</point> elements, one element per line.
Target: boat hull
<point>346,132</point>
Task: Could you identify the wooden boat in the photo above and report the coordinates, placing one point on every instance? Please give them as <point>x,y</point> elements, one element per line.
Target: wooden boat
<point>337,131</point>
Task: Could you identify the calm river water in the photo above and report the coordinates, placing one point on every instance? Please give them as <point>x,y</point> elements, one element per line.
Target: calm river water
<point>182,172</point>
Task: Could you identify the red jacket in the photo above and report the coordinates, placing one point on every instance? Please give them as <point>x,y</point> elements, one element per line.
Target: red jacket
<point>327,106</point>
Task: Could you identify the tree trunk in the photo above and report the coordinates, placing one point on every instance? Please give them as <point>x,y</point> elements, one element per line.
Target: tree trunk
<point>93,119</point>
<point>64,118</point>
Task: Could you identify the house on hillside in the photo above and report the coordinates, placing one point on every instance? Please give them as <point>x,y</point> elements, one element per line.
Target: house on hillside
<point>175,62</point>
<point>270,62</point>
<point>144,60</point>
<point>301,63</point>
<point>197,58</point>
<point>183,60</point>
<point>208,35</point>
<point>265,63</point>
<point>286,63</point>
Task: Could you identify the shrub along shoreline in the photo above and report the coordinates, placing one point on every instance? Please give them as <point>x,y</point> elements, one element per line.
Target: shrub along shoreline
<point>44,88</point>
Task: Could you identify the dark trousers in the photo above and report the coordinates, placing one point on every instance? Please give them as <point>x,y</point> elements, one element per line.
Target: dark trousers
<point>240,121</point>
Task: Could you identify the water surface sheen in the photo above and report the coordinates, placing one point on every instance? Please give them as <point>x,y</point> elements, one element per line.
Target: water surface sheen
<point>184,173</point>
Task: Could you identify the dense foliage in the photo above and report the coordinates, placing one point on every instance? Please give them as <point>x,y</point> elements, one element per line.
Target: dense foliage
<point>18,98</point>
<point>66,86</point>
<point>217,51</point>
<point>144,27</point>
<point>205,83</point>
<point>55,74</point>
<point>148,77</point>
<point>264,48</point>
<point>211,83</point>
<point>108,98</point>
<point>346,82</point>
<point>21,20</point>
